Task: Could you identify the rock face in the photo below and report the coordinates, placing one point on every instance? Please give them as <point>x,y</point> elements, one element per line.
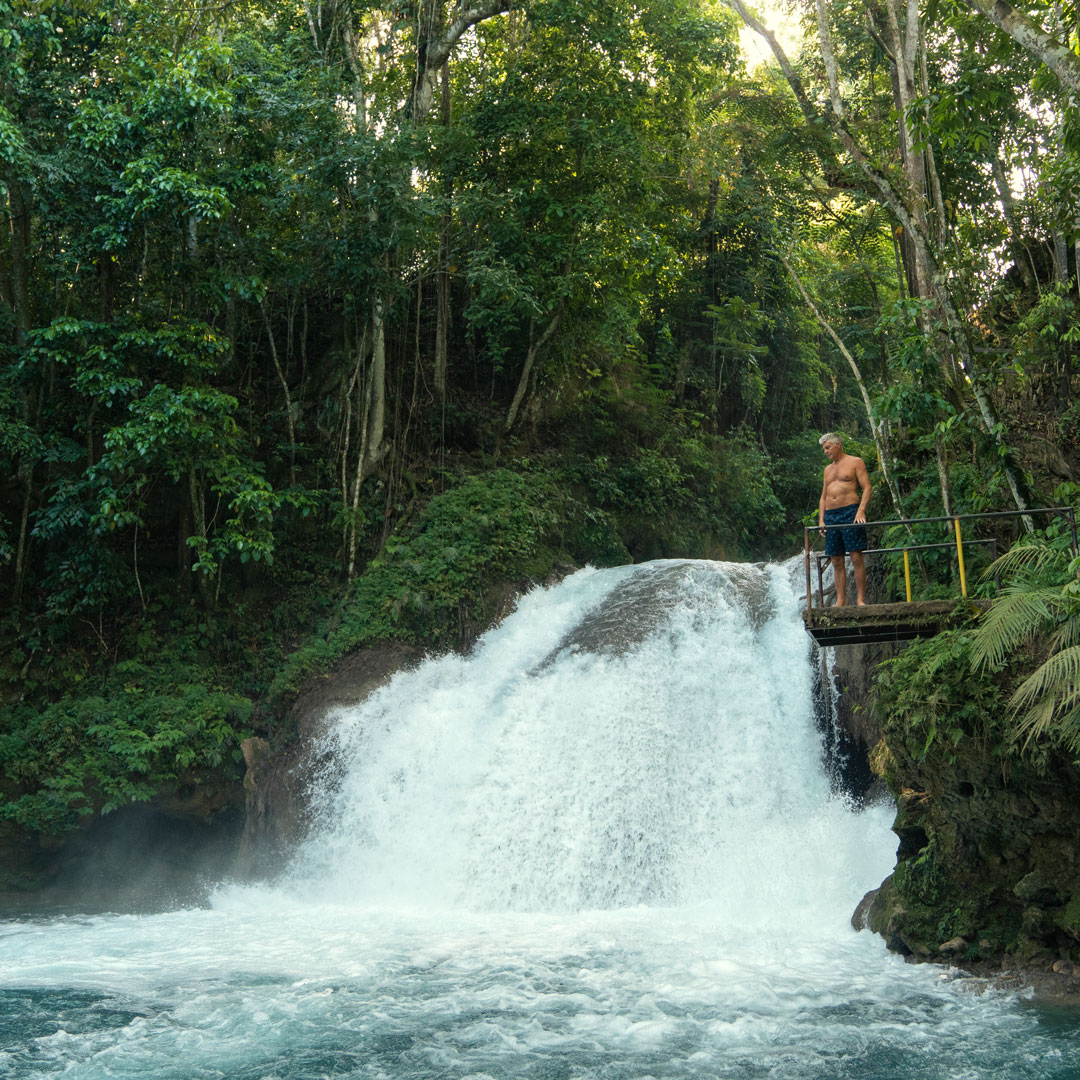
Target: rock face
<point>855,731</point>
<point>988,853</point>
<point>276,783</point>
<point>988,863</point>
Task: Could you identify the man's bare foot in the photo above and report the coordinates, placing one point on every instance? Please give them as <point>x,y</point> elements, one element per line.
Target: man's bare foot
<point>860,603</point>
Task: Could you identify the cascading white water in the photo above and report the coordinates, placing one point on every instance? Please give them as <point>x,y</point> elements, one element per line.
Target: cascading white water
<point>602,846</point>
<point>636,736</point>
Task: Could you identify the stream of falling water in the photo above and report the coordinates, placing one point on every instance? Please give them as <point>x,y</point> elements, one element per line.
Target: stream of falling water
<point>602,845</point>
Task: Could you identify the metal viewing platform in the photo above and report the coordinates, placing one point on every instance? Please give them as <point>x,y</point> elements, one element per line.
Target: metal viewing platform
<point>853,625</point>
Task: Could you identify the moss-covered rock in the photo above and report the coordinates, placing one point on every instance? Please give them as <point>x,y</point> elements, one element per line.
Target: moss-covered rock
<point>989,846</point>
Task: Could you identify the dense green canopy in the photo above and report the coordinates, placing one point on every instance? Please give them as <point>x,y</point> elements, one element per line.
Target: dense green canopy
<point>277,278</point>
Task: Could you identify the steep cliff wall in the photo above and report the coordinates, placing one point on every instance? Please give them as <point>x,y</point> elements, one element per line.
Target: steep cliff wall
<point>988,862</point>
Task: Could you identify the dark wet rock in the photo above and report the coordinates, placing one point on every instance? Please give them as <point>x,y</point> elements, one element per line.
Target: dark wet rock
<point>860,918</point>
<point>278,781</point>
<point>988,855</point>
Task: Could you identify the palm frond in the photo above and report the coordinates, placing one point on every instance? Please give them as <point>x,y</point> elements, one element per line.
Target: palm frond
<point>1034,724</point>
<point>1032,558</point>
<point>1067,634</point>
<point>1013,620</point>
<point>1056,682</point>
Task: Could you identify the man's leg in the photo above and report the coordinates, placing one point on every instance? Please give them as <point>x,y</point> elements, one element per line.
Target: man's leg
<point>839,572</point>
<point>858,564</point>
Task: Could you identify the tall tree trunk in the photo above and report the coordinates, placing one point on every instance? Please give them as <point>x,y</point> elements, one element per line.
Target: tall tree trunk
<point>20,547</point>
<point>285,391</point>
<point>527,367</point>
<point>904,36</point>
<point>1061,257</point>
<point>940,219</point>
<point>373,445</point>
<point>943,475</point>
<point>375,428</point>
<point>1008,208</point>
<point>20,257</point>
<point>184,582</point>
<point>197,499</point>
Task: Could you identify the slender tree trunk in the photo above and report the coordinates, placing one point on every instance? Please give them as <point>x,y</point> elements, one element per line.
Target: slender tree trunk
<point>20,257</point>
<point>285,391</point>
<point>527,367</point>
<point>20,547</point>
<point>361,460</point>
<point>442,274</point>
<point>943,475</point>
<point>1061,257</point>
<point>183,552</point>
<point>902,283</point>
<point>904,42</point>
<point>931,162</point>
<point>375,428</point>
<point>1008,208</point>
<point>197,499</point>
<point>879,431</point>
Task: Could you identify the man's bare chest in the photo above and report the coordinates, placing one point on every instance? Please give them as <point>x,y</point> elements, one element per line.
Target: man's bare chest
<point>839,474</point>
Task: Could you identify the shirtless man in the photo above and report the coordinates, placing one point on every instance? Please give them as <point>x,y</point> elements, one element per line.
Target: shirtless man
<point>838,506</point>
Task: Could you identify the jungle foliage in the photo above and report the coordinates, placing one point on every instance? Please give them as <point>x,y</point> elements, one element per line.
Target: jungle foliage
<point>318,319</point>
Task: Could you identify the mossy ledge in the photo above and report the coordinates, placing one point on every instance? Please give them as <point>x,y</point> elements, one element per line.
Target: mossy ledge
<point>988,864</point>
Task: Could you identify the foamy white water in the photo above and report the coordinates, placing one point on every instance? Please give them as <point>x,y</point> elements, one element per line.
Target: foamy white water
<point>601,846</point>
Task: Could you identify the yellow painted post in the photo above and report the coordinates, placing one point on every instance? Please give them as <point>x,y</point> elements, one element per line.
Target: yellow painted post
<point>960,556</point>
<point>907,575</point>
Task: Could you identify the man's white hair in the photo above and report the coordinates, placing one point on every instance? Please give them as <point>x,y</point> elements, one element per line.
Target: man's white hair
<point>830,437</point>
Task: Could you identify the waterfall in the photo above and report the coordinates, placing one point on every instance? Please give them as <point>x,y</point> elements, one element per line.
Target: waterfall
<point>602,845</point>
<point>636,736</point>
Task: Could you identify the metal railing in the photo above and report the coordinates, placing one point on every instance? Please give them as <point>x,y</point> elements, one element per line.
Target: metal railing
<point>1065,512</point>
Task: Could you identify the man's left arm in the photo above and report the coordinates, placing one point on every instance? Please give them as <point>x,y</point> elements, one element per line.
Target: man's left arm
<point>863,478</point>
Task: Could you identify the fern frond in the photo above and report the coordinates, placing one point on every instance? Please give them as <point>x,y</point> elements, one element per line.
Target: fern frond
<point>1070,730</point>
<point>1012,620</point>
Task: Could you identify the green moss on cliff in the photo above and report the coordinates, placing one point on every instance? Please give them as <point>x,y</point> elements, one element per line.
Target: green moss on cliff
<point>989,838</point>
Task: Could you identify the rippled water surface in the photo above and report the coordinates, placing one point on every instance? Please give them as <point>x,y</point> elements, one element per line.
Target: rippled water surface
<point>602,846</point>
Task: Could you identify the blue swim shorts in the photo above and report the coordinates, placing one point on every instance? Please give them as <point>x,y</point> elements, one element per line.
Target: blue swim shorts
<point>840,541</point>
